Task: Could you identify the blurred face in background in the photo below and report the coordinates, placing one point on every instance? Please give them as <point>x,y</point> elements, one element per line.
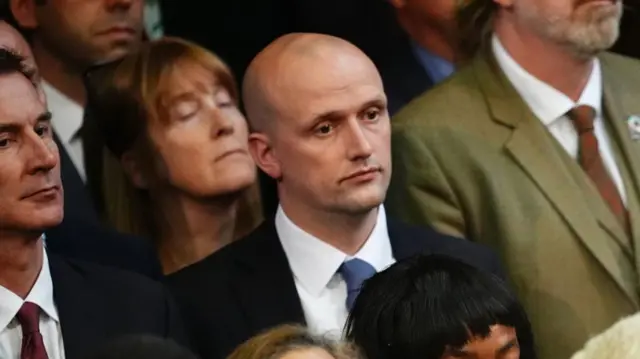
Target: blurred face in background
<point>199,141</point>
<point>83,32</point>
<point>436,13</point>
<point>587,27</point>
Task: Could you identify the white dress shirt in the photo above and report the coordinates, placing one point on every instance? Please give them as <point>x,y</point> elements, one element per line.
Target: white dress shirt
<point>551,107</point>
<point>314,263</point>
<point>10,329</point>
<point>67,120</point>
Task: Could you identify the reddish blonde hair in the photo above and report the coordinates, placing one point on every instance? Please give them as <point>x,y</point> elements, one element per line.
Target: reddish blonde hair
<point>279,341</point>
<point>125,96</point>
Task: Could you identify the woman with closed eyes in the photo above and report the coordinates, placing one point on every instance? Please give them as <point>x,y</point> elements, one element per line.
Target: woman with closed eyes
<point>179,171</point>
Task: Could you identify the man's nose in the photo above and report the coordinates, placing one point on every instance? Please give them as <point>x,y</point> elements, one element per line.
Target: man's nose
<point>358,145</point>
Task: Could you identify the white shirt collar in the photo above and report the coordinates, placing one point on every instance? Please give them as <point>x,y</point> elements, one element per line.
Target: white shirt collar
<point>41,294</point>
<point>67,114</point>
<point>314,262</point>
<point>547,103</point>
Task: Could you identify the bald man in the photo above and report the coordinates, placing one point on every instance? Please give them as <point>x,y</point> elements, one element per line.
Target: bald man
<point>322,130</point>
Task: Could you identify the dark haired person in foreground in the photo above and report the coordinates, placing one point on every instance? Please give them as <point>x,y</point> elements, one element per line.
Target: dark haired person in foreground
<point>435,307</point>
<point>43,295</point>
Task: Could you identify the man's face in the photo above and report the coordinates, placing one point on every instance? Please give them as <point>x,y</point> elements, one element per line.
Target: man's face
<point>586,26</point>
<point>29,173</point>
<point>332,137</point>
<point>89,31</point>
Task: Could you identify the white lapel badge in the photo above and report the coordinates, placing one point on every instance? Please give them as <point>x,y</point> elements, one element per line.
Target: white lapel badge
<point>633,122</point>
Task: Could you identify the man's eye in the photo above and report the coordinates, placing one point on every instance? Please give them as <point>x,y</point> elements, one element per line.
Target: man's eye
<point>325,129</point>
<point>372,115</point>
<point>42,130</point>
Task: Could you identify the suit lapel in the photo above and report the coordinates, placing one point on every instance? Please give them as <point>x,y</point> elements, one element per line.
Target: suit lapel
<point>532,148</point>
<point>265,286</point>
<point>82,324</point>
<point>620,105</point>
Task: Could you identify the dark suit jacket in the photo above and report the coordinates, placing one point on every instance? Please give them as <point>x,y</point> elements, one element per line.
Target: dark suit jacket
<point>97,244</point>
<point>98,303</point>
<point>248,286</point>
<point>471,159</point>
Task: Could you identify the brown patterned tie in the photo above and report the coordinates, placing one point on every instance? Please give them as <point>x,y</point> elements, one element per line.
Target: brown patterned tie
<point>32,343</point>
<point>591,162</point>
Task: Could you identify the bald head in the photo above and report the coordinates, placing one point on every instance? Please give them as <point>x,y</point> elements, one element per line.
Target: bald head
<point>319,114</point>
<point>293,64</point>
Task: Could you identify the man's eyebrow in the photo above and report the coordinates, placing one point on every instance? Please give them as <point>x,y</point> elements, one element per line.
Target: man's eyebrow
<point>508,346</point>
<point>45,117</point>
<point>9,127</point>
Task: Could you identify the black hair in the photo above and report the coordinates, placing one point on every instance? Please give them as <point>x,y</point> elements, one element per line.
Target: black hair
<point>141,347</point>
<point>12,62</point>
<point>420,306</point>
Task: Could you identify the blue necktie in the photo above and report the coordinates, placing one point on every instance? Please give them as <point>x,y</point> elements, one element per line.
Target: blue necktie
<point>355,272</point>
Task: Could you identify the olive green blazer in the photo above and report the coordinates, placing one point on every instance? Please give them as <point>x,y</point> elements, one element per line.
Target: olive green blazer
<point>472,160</point>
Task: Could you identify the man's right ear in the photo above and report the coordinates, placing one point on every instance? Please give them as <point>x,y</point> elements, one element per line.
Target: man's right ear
<point>24,11</point>
<point>264,155</point>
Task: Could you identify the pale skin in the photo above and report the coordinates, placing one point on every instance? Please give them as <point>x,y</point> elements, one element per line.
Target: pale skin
<point>564,67</point>
<point>324,134</point>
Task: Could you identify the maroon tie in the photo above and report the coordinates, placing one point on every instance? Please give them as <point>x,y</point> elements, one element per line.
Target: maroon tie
<point>591,162</point>
<point>32,344</point>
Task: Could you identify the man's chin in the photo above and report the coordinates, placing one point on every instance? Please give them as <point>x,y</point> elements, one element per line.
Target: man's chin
<point>45,221</point>
<point>363,203</point>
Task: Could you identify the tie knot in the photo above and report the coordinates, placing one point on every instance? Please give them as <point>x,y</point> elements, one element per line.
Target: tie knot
<point>355,271</point>
<point>29,317</point>
<point>582,118</point>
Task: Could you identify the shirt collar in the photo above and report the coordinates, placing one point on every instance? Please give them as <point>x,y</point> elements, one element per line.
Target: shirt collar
<point>41,294</point>
<point>437,67</point>
<point>67,114</point>
<point>314,262</point>
<point>547,103</point>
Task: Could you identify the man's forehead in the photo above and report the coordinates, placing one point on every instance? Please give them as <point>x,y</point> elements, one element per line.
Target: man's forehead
<point>18,98</point>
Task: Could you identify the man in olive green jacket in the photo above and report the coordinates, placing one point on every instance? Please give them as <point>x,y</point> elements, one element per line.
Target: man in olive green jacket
<point>496,155</point>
